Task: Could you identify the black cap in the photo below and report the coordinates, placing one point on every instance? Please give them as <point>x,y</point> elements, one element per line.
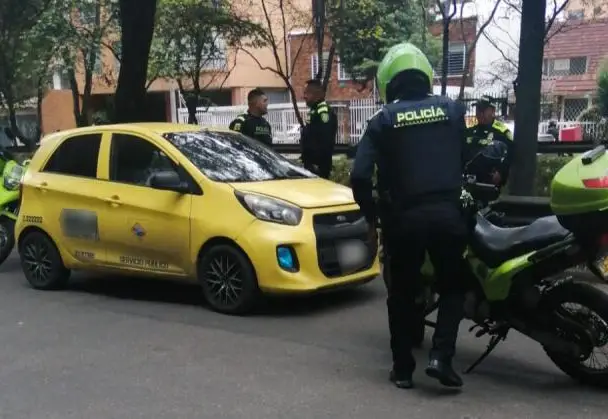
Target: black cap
<point>485,102</point>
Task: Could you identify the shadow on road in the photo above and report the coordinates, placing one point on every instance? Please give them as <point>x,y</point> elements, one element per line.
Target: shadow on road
<point>142,289</point>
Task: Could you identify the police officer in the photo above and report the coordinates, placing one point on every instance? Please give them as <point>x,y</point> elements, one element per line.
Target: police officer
<point>416,141</point>
<point>252,123</point>
<point>319,135</point>
<point>489,129</point>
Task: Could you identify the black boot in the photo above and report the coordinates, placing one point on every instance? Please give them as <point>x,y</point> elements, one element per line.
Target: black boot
<point>401,380</point>
<point>443,371</point>
<point>449,315</point>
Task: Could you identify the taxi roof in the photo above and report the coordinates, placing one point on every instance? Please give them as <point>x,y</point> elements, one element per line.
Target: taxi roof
<point>158,128</point>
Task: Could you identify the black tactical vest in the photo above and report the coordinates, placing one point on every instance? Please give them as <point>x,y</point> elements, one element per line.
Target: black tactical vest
<point>420,151</point>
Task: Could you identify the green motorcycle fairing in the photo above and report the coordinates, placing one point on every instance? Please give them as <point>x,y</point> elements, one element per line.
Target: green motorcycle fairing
<point>495,282</point>
<point>11,175</point>
<point>580,188</point>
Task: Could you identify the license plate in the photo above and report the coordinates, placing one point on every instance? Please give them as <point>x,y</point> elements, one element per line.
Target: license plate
<point>601,263</point>
<point>352,255</point>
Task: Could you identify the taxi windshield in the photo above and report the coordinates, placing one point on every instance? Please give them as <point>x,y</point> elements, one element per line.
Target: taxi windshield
<point>233,157</point>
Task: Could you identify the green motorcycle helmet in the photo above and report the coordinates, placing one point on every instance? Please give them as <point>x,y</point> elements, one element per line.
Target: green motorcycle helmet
<point>399,58</point>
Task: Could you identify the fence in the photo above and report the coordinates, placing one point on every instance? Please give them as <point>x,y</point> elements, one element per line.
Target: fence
<point>352,117</point>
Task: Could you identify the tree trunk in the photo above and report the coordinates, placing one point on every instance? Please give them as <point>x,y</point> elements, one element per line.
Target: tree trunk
<point>78,116</point>
<point>330,61</point>
<point>445,57</point>
<point>137,25</point>
<point>527,97</point>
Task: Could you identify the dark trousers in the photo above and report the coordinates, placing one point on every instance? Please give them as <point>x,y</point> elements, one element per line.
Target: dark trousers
<point>440,230</point>
<point>324,168</point>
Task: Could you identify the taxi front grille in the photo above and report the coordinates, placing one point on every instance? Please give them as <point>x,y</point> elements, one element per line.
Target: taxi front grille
<point>331,230</point>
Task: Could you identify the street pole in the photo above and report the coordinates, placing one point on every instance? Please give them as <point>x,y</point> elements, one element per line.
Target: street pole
<point>527,97</point>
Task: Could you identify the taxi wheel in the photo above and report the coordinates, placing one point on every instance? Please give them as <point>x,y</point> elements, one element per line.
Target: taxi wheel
<point>41,262</point>
<point>228,280</point>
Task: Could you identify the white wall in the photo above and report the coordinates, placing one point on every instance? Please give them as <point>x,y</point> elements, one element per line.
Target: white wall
<point>499,40</point>
<point>498,48</point>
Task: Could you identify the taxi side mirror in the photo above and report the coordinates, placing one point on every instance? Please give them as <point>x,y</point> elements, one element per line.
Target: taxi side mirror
<point>168,180</point>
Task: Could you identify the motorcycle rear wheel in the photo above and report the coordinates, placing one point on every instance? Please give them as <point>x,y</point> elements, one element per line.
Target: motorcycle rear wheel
<point>7,238</point>
<point>594,315</point>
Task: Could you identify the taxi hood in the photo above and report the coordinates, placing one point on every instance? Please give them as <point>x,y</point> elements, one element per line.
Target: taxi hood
<point>305,193</point>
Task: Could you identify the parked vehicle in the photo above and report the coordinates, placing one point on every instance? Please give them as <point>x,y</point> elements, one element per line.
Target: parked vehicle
<point>169,200</point>
<point>519,276</point>
<point>12,172</point>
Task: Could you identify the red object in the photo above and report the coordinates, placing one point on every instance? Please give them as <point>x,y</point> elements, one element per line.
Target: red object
<point>596,183</point>
<point>571,134</point>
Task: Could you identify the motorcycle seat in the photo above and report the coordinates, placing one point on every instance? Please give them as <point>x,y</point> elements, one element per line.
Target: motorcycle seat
<point>495,245</point>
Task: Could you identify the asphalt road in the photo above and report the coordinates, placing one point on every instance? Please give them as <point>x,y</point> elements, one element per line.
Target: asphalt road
<point>126,348</point>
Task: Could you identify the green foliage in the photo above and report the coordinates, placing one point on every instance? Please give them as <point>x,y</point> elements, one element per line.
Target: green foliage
<point>547,167</point>
<point>192,36</point>
<point>364,30</point>
<point>24,56</point>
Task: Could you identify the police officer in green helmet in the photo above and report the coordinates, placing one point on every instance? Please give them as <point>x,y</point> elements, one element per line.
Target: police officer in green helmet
<point>416,142</point>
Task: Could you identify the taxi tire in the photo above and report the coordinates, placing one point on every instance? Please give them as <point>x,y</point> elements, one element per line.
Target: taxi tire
<point>59,274</point>
<point>8,225</point>
<point>250,292</point>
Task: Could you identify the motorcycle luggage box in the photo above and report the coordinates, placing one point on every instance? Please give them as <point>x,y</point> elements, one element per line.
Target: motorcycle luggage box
<point>579,193</point>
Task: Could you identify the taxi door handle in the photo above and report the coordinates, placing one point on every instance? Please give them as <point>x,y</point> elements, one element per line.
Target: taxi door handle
<point>113,200</point>
<point>42,185</point>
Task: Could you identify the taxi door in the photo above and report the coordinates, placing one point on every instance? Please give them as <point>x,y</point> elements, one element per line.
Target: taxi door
<point>62,197</point>
<point>144,229</point>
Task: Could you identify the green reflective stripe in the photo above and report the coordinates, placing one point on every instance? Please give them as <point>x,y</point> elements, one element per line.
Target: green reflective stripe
<point>500,126</point>
<point>240,118</point>
<point>322,109</point>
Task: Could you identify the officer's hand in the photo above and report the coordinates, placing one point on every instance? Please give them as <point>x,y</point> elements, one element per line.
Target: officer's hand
<point>496,178</point>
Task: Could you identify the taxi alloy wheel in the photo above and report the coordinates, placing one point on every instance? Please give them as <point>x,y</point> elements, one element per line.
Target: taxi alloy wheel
<point>7,238</point>
<point>228,280</point>
<point>41,262</point>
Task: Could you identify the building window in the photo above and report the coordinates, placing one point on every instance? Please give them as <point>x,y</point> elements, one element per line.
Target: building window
<point>342,73</point>
<point>573,108</point>
<point>576,14</point>
<point>98,67</point>
<point>314,65</point>
<point>456,58</point>
<point>61,79</point>
<point>555,67</point>
<point>212,59</point>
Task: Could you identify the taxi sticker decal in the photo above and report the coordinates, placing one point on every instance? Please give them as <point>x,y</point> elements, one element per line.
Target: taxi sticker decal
<point>79,224</point>
<point>34,219</point>
<point>84,255</point>
<point>155,265</point>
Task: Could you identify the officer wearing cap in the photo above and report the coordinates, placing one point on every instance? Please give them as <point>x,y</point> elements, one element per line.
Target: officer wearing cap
<point>489,129</point>
<point>319,135</point>
<point>252,123</point>
<point>416,142</point>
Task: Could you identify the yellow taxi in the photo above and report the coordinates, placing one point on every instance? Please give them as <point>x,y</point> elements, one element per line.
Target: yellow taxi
<point>205,205</point>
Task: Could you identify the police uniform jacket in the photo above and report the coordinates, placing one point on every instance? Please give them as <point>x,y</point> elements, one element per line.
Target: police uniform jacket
<point>319,134</point>
<point>253,126</point>
<point>417,146</point>
<point>479,136</point>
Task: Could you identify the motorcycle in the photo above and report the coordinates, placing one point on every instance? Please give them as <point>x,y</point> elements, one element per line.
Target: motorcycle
<point>12,173</point>
<point>519,277</point>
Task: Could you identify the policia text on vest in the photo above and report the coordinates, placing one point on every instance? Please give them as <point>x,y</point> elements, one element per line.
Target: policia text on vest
<point>253,126</point>
<point>426,115</point>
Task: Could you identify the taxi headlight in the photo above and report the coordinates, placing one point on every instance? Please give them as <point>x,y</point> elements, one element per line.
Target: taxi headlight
<point>270,209</point>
